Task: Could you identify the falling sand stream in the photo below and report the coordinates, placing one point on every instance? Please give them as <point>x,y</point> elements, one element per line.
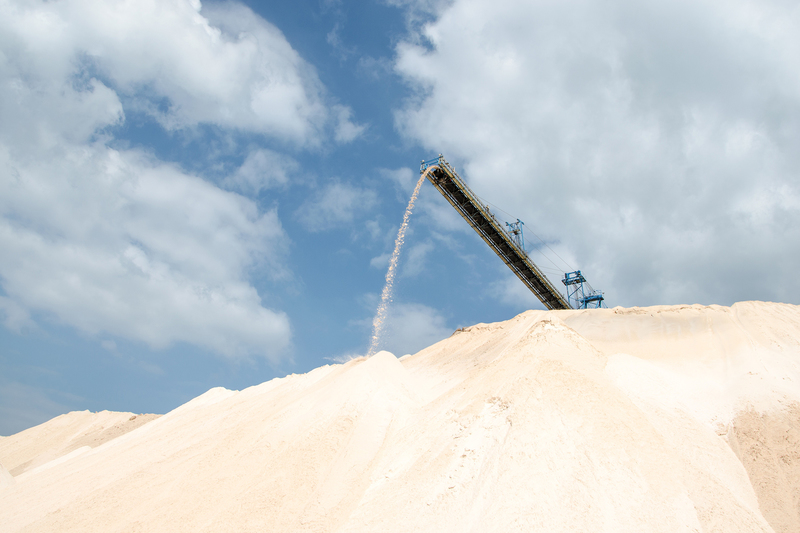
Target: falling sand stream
<point>386,297</point>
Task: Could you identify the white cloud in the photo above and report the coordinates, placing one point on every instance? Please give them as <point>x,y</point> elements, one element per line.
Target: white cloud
<point>221,65</point>
<point>404,179</point>
<point>334,205</point>
<point>416,257</point>
<point>380,261</point>
<point>262,169</point>
<point>346,131</point>
<point>113,241</point>
<point>14,316</point>
<point>655,139</point>
<point>412,327</point>
<point>373,227</point>
<point>334,39</point>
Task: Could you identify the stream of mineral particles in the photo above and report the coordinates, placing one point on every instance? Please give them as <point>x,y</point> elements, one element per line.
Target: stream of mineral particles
<point>386,297</point>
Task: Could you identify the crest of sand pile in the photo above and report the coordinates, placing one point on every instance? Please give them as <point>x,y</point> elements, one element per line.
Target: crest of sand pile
<point>66,435</point>
<point>551,421</point>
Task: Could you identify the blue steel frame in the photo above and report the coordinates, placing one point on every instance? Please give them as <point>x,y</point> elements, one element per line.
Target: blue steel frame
<point>576,293</point>
<point>515,230</point>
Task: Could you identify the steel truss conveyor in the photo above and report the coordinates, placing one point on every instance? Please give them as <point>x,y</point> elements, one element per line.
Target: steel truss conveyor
<point>455,190</point>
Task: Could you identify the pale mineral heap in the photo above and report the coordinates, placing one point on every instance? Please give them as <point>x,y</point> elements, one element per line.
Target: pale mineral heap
<point>673,419</point>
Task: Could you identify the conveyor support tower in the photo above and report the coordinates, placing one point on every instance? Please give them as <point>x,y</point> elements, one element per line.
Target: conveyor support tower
<point>579,293</point>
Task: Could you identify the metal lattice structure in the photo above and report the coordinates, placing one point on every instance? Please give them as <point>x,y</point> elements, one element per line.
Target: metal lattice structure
<point>579,293</point>
<point>506,245</point>
<point>515,230</point>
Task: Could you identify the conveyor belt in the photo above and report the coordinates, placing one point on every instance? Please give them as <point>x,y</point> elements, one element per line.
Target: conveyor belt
<point>455,190</point>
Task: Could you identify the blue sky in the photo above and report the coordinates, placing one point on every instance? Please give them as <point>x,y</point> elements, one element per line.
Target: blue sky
<point>207,195</point>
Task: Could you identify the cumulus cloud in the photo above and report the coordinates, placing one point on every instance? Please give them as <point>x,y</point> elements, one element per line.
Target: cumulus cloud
<point>111,240</point>
<point>416,258</point>
<point>411,327</point>
<point>14,316</point>
<point>184,66</point>
<point>262,169</point>
<point>346,130</point>
<point>115,242</point>
<point>404,178</point>
<point>334,205</point>
<point>656,140</point>
<point>380,261</point>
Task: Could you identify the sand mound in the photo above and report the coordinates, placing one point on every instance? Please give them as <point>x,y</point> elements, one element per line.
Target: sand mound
<point>6,479</point>
<point>768,444</point>
<point>63,435</point>
<point>658,419</point>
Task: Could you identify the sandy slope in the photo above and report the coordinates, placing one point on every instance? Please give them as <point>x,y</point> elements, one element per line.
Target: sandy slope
<point>657,419</point>
<point>68,434</point>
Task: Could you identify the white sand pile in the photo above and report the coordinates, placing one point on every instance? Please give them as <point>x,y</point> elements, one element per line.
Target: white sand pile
<point>65,435</point>
<point>6,479</point>
<point>657,419</point>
